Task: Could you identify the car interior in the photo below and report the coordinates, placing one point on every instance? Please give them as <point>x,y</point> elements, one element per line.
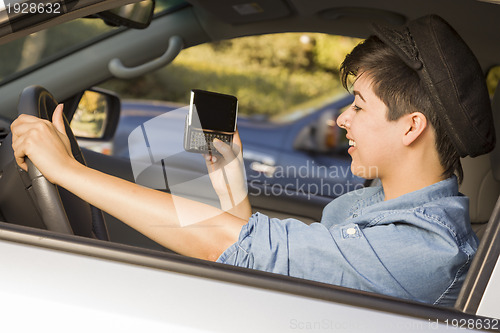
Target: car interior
<point>200,21</point>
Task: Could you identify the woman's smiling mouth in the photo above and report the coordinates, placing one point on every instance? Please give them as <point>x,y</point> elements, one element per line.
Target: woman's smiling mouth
<point>352,146</point>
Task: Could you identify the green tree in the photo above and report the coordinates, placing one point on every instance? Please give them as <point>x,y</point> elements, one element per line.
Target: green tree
<point>269,74</point>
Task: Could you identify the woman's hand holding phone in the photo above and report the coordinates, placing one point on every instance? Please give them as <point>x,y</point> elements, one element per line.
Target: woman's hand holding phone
<point>228,177</point>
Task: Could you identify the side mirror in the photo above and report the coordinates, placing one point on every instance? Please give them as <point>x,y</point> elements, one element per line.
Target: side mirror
<point>326,132</point>
<point>135,15</point>
<point>320,136</point>
<point>95,115</point>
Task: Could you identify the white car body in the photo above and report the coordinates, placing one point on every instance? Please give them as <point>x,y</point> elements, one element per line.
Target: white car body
<point>56,285</point>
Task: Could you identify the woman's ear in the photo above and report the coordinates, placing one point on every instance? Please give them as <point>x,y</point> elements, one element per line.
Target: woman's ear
<point>415,123</point>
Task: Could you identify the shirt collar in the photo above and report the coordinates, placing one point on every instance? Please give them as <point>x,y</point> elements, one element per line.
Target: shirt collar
<point>444,188</point>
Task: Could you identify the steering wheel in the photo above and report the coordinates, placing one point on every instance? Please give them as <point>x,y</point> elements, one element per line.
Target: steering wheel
<point>50,200</point>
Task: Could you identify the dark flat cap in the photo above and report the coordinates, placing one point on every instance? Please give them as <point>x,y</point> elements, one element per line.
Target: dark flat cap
<point>453,77</point>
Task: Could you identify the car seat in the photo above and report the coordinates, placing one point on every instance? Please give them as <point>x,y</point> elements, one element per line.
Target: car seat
<point>482,178</point>
<point>482,185</point>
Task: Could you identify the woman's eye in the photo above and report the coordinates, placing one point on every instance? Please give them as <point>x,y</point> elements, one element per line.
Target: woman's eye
<point>355,107</point>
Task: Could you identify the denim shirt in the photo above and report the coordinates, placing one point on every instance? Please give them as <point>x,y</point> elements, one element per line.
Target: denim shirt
<point>417,246</point>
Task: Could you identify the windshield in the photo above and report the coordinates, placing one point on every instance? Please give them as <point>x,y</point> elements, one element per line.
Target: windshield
<point>28,52</point>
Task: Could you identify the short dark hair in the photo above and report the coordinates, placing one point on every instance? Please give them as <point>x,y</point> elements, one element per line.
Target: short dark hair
<point>401,89</point>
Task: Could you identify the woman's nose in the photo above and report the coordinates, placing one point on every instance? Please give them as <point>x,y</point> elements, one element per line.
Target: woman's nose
<point>343,118</point>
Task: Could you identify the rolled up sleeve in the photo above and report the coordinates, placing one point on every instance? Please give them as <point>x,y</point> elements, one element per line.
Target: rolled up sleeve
<point>262,244</point>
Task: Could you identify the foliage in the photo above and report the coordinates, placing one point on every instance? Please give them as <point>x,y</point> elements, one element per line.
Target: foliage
<point>269,74</point>
<point>492,79</point>
<point>330,50</point>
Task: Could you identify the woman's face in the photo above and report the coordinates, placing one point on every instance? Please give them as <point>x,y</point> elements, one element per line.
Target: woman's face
<point>374,141</point>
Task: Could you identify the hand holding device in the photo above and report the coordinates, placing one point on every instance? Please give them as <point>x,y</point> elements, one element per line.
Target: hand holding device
<point>228,177</point>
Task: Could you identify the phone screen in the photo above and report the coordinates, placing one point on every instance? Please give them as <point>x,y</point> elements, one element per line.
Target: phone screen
<point>216,112</point>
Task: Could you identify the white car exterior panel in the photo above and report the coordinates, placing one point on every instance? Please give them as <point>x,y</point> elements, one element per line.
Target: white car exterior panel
<point>52,290</point>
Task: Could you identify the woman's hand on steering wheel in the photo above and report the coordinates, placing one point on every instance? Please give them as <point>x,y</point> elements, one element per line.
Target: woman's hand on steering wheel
<point>45,143</point>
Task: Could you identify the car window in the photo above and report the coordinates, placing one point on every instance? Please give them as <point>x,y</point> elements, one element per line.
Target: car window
<point>272,75</point>
<point>289,96</point>
<point>26,53</point>
<point>492,79</point>
<point>277,78</point>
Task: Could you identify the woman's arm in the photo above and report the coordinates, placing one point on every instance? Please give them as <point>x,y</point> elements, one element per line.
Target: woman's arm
<point>228,177</point>
<point>185,226</point>
<point>160,216</point>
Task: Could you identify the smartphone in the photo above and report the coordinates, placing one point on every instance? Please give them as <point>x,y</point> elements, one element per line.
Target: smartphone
<point>211,115</point>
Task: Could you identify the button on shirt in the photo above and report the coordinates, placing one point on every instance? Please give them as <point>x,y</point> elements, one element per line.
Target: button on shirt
<point>417,246</point>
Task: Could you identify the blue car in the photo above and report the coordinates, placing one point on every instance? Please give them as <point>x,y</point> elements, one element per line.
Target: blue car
<point>295,164</point>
